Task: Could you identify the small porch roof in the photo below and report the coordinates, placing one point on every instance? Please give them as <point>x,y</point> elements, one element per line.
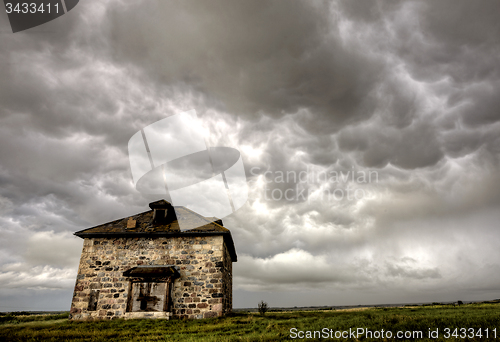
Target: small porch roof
<point>152,271</point>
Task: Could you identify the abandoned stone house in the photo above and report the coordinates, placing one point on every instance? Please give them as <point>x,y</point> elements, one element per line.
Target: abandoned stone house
<point>144,266</point>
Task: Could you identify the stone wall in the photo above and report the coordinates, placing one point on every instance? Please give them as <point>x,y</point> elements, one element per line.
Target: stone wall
<point>203,290</point>
<point>227,282</point>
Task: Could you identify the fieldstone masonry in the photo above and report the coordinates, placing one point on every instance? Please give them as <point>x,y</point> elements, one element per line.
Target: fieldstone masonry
<point>195,280</point>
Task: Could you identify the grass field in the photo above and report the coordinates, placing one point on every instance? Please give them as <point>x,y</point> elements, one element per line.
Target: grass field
<point>274,326</point>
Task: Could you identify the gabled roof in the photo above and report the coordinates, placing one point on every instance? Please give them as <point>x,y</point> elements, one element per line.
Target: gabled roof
<point>144,226</point>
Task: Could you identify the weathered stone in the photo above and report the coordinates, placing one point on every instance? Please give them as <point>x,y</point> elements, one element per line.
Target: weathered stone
<point>210,314</point>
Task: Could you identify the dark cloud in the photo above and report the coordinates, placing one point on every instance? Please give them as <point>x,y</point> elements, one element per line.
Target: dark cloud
<point>250,58</point>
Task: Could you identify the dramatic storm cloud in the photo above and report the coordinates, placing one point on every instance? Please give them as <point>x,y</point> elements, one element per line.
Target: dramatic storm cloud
<point>370,134</point>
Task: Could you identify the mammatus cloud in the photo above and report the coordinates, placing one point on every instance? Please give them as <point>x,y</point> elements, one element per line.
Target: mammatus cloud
<point>407,90</point>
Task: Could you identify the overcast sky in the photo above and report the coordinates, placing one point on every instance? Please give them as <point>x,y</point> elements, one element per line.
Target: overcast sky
<point>407,92</point>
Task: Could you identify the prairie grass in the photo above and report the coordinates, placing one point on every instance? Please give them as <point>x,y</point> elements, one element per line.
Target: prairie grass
<point>273,326</point>
<point>10,319</point>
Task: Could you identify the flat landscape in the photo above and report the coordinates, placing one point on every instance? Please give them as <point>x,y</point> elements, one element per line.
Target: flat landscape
<point>468,322</point>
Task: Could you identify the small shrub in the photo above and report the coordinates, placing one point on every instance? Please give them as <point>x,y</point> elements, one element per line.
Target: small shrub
<point>263,307</point>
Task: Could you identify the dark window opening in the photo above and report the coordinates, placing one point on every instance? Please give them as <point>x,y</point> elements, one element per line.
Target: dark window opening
<point>94,297</point>
<point>160,216</point>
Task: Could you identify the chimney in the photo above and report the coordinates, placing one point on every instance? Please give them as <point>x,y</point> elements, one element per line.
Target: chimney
<point>163,212</point>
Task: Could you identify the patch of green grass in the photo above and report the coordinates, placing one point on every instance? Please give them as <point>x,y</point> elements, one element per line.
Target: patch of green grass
<point>274,326</point>
<point>15,318</point>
